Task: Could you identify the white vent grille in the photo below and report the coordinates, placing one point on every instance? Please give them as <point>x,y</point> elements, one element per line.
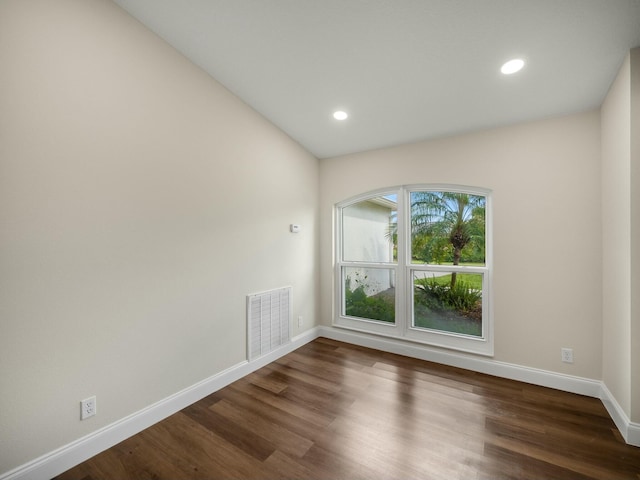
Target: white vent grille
<point>268,321</point>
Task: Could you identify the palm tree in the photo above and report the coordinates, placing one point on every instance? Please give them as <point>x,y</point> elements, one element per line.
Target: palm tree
<point>456,217</point>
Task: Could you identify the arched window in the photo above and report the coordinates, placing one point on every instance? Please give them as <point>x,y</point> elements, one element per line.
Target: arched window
<point>413,262</point>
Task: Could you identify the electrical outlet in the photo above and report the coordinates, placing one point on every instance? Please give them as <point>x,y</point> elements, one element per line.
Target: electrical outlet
<point>300,321</point>
<point>87,408</point>
<point>567,355</point>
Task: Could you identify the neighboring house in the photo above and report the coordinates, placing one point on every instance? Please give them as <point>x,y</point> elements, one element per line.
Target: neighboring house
<point>367,238</point>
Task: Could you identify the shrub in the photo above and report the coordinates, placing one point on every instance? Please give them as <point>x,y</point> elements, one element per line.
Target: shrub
<point>358,304</point>
<point>442,297</point>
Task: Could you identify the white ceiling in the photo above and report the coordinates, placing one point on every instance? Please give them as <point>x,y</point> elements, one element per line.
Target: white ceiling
<point>405,70</point>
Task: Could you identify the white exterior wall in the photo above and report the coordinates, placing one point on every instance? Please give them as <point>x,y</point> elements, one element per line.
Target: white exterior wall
<point>366,226</point>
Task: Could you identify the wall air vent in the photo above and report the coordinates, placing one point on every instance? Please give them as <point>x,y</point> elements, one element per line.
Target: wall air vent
<point>268,321</point>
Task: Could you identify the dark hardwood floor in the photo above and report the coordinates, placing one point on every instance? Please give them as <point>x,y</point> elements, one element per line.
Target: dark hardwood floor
<point>331,410</point>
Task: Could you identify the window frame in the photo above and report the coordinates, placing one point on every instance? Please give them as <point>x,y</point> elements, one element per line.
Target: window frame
<point>403,327</point>
<point>356,323</point>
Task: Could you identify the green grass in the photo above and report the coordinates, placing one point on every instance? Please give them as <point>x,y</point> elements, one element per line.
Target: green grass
<point>472,280</point>
<point>463,264</point>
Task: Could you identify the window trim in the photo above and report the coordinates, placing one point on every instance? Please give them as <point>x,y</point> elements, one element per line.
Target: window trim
<point>403,328</point>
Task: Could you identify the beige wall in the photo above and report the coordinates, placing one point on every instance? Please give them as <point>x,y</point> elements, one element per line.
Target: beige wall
<point>616,238</point>
<point>635,233</point>
<point>620,118</point>
<point>139,203</point>
<point>545,178</point>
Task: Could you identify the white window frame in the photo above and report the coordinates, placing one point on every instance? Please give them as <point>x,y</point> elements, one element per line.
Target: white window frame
<point>355,323</point>
<point>403,328</point>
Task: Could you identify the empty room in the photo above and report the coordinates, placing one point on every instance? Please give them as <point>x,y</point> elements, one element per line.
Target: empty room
<point>319,239</point>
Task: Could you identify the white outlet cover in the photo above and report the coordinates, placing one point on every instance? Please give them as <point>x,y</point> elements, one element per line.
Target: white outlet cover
<point>567,355</point>
<point>87,408</point>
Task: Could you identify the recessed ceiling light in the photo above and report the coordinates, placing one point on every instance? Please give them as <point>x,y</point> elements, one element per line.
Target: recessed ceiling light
<point>340,115</point>
<point>512,66</point>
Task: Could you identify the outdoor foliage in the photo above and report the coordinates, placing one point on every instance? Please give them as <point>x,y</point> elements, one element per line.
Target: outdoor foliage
<point>448,227</point>
<point>359,304</point>
<point>440,297</point>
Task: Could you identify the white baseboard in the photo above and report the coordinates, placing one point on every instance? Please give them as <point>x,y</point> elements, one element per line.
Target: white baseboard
<point>64,458</point>
<point>568,383</point>
<point>633,434</point>
<point>629,430</point>
<point>68,456</point>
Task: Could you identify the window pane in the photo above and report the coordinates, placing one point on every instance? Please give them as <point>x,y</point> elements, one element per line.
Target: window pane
<point>369,293</point>
<point>369,230</point>
<point>448,301</point>
<point>447,228</point>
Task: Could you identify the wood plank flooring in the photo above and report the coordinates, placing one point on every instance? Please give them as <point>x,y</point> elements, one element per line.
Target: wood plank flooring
<point>331,410</point>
